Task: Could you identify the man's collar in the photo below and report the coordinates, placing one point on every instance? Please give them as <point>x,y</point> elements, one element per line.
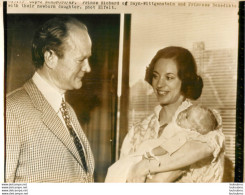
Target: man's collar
<point>52,95</point>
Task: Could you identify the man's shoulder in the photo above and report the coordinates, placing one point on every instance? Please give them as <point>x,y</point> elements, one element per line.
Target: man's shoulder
<point>16,93</point>
<point>17,96</point>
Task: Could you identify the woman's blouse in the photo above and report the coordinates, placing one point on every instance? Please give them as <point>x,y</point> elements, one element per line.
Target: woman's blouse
<point>149,128</point>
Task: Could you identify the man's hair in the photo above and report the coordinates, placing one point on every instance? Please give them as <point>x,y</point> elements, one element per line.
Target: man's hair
<point>191,83</point>
<point>51,36</point>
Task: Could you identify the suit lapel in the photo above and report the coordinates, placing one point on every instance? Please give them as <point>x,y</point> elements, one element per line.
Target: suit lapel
<point>51,119</point>
<point>53,122</point>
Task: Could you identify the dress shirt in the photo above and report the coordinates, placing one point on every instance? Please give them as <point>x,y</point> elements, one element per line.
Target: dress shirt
<point>52,95</point>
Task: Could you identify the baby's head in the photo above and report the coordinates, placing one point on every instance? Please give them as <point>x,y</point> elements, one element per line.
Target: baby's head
<point>197,118</point>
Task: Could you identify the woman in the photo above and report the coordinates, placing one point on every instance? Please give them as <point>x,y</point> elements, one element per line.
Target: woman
<point>173,76</point>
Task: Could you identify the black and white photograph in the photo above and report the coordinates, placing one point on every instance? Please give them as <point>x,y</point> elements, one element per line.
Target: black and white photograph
<point>122,92</point>
<point>50,153</point>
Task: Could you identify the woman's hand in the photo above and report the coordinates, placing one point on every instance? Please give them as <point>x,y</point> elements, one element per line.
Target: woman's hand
<point>170,176</point>
<point>138,172</point>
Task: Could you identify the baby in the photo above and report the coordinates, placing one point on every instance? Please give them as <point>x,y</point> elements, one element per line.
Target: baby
<point>191,124</point>
<point>195,118</point>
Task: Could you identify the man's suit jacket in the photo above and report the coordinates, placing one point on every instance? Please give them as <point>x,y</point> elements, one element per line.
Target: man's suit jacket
<point>39,148</point>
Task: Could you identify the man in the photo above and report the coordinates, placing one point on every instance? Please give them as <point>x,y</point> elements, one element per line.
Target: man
<point>44,140</point>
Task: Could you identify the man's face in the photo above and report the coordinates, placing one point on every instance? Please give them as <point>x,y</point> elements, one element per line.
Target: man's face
<point>70,69</point>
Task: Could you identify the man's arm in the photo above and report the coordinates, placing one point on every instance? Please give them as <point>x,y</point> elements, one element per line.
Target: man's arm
<point>12,146</point>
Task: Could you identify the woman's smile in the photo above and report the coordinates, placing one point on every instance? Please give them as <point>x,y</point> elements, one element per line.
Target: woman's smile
<point>163,93</point>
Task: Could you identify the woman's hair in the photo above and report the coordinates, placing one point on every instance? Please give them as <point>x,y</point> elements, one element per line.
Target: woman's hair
<point>191,83</point>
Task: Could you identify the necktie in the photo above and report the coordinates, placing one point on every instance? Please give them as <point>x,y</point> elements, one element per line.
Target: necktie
<point>73,134</point>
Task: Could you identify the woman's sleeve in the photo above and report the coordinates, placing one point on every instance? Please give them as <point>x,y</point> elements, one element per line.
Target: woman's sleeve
<point>216,139</point>
<point>189,153</point>
<point>135,136</point>
<point>127,146</point>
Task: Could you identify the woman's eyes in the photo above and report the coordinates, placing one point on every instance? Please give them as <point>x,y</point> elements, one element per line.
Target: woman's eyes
<point>170,77</point>
<point>155,76</point>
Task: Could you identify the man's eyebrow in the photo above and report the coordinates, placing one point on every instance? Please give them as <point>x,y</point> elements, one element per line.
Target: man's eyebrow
<point>84,57</point>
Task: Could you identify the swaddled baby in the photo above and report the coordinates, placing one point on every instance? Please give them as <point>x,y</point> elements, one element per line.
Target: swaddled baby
<point>192,123</point>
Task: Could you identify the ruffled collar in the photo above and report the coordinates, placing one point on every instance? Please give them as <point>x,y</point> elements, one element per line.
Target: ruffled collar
<point>185,104</point>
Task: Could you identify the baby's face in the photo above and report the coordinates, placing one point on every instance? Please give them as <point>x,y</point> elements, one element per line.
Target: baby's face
<point>187,118</point>
<point>183,119</point>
